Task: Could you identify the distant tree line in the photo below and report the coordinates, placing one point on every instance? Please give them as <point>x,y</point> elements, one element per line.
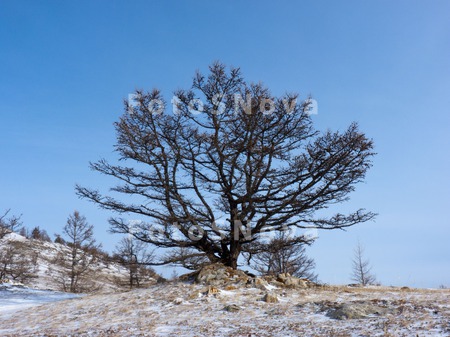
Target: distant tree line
<point>74,264</point>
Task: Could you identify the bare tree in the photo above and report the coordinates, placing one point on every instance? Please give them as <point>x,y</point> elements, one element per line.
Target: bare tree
<point>17,261</point>
<point>230,162</point>
<point>24,232</point>
<point>59,239</point>
<point>134,256</point>
<point>8,225</point>
<point>40,234</point>
<point>75,262</point>
<point>362,272</point>
<point>283,255</point>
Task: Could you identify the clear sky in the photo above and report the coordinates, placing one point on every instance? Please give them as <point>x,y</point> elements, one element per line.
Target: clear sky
<point>65,68</point>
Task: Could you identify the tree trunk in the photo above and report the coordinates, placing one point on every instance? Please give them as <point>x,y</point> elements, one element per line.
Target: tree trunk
<point>232,258</point>
<point>72,269</point>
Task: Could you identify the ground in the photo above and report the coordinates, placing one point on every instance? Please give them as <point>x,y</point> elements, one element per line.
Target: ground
<point>188,309</point>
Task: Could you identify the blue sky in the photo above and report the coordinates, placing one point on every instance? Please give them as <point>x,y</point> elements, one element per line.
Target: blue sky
<point>65,68</point>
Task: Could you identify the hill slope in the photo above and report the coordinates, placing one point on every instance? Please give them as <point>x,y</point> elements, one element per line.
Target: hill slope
<point>184,309</point>
<point>40,257</point>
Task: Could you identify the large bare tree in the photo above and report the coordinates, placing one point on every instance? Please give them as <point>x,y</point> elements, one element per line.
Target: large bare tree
<point>229,162</point>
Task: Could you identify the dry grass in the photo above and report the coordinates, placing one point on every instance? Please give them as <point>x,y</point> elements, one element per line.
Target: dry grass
<point>178,309</point>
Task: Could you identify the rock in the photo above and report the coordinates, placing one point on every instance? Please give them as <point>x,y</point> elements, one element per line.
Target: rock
<point>212,291</point>
<point>230,288</point>
<point>208,291</point>
<point>353,310</point>
<point>270,298</point>
<point>178,300</point>
<point>292,281</point>
<point>194,295</point>
<point>232,308</point>
<point>258,283</point>
<point>283,277</point>
<point>218,274</point>
<point>277,284</point>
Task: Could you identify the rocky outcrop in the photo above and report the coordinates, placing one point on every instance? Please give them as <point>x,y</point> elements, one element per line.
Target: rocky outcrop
<point>219,275</point>
<point>285,280</point>
<point>292,281</point>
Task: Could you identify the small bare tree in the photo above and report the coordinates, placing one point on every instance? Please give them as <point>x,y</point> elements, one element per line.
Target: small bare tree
<point>284,255</point>
<point>8,225</point>
<point>76,262</point>
<point>134,256</point>
<point>361,268</point>
<point>40,234</point>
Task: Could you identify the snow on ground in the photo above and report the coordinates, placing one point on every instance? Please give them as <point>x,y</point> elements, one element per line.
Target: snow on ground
<point>16,297</point>
<point>181,309</point>
<point>14,237</point>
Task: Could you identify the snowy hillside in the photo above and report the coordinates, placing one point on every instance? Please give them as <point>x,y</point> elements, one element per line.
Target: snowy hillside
<point>184,309</point>
<point>46,274</point>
